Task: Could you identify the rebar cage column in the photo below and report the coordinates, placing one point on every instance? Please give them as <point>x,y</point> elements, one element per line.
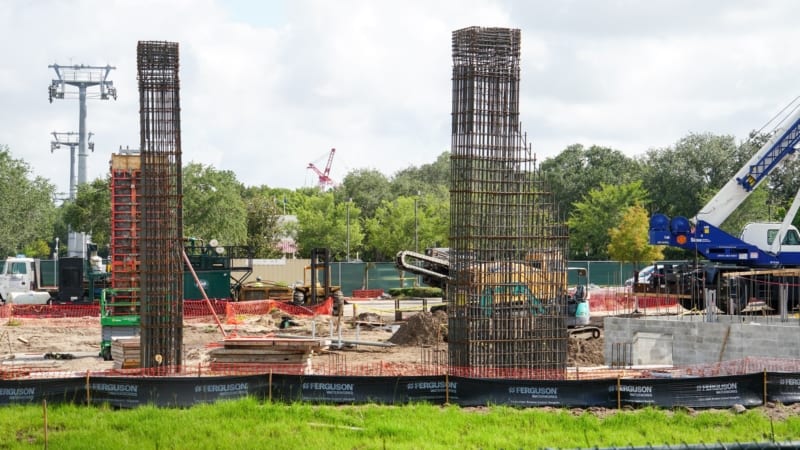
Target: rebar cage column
<point>161,206</point>
<point>507,258</point>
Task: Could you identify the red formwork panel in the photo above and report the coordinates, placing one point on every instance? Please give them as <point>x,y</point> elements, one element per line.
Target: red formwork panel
<point>125,218</point>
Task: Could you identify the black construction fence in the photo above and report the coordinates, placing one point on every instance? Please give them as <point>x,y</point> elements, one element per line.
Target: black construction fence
<point>748,390</point>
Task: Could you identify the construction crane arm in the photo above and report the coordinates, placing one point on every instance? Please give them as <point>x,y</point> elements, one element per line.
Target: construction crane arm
<point>324,176</point>
<point>764,161</point>
<point>316,170</point>
<point>330,161</point>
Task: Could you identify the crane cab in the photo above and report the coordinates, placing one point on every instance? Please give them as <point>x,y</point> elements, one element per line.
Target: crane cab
<point>763,234</point>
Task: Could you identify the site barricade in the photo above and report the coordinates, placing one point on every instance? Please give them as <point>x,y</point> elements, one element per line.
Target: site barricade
<point>748,390</point>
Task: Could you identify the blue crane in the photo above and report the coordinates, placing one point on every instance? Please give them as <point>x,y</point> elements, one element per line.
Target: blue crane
<point>761,244</point>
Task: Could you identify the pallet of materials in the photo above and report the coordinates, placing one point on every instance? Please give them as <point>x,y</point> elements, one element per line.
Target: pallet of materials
<point>125,353</point>
<point>266,350</point>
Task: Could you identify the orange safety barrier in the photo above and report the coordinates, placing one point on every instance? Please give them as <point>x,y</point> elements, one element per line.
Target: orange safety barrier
<point>260,307</point>
<point>620,300</point>
<point>367,293</point>
<point>191,309</point>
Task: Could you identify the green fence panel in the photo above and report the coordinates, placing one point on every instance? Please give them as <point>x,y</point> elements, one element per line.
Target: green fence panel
<point>385,275</point>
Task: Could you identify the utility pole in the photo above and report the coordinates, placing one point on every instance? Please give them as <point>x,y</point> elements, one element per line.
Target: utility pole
<point>69,139</point>
<point>349,200</point>
<point>81,77</point>
<point>416,225</point>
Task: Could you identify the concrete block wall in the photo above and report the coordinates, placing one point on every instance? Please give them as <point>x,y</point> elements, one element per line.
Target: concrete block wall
<point>688,340</point>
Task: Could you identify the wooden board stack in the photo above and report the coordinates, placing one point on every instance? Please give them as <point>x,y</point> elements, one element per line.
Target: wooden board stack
<point>280,353</point>
<point>125,353</point>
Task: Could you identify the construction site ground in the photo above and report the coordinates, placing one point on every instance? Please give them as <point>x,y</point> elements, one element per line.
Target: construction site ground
<point>73,344</point>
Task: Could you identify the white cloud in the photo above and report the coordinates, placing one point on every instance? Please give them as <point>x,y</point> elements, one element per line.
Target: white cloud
<point>267,87</point>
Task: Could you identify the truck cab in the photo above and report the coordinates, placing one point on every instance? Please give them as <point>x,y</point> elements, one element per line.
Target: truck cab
<point>19,282</point>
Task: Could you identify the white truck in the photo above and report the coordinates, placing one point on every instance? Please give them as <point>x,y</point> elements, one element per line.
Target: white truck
<point>19,282</point>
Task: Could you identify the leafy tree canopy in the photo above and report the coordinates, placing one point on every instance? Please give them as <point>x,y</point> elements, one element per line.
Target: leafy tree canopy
<point>629,241</point>
<point>681,178</point>
<point>366,187</point>
<point>213,207</point>
<point>27,211</point>
<point>90,212</point>
<point>599,211</point>
<point>577,170</point>
<point>323,222</point>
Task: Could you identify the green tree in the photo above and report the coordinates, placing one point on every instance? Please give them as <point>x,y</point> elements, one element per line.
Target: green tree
<point>322,222</point>
<point>27,212</point>
<point>433,221</point>
<point>577,170</point>
<point>90,212</point>
<point>366,187</point>
<point>424,179</point>
<point>263,227</point>
<point>629,241</point>
<point>599,211</point>
<point>213,207</point>
<point>39,249</point>
<point>409,223</point>
<point>282,198</point>
<point>680,179</point>
<point>392,227</point>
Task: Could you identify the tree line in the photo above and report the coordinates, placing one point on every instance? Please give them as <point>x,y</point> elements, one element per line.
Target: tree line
<point>605,197</point>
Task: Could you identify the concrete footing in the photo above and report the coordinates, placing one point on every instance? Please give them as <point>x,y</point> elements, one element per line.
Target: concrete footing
<point>691,340</point>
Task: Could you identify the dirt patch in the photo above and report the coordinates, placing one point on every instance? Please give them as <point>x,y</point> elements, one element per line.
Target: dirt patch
<point>421,329</point>
<point>585,352</point>
<point>25,341</point>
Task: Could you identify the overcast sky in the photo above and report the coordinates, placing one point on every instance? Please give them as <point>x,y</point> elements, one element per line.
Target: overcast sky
<point>268,87</point>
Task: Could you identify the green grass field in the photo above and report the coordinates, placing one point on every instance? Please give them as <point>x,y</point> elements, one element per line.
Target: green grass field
<point>251,423</point>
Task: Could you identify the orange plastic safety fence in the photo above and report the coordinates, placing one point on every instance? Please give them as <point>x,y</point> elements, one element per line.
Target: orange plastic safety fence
<point>191,309</point>
<point>260,307</point>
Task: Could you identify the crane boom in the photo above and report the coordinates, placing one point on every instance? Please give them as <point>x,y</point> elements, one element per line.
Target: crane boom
<point>330,161</point>
<point>324,178</point>
<point>754,248</point>
<point>763,162</point>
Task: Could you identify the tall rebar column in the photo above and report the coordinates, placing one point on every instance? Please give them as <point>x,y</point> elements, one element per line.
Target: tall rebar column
<point>161,206</point>
<point>508,246</point>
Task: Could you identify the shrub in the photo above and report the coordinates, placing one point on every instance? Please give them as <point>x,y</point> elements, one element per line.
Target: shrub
<point>416,292</point>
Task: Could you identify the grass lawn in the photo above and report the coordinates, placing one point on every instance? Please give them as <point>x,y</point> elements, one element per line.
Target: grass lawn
<point>252,423</point>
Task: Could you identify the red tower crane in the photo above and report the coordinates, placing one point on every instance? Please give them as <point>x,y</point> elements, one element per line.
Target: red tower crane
<point>325,180</point>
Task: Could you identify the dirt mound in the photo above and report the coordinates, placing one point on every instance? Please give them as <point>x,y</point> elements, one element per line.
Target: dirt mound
<point>585,352</point>
<point>421,329</point>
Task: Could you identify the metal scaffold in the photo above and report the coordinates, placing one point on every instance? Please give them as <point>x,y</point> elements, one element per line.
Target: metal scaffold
<point>508,245</point>
<point>161,224</point>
